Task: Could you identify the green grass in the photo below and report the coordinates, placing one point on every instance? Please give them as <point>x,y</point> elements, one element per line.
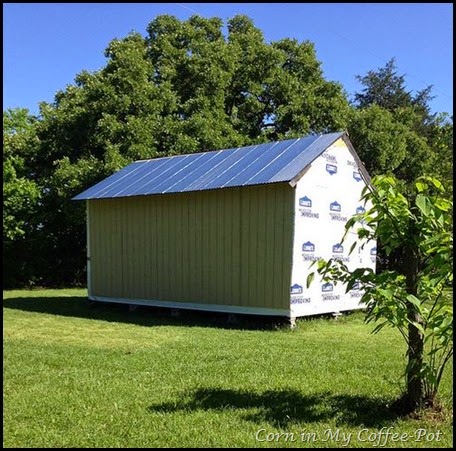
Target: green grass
<point>76,376</point>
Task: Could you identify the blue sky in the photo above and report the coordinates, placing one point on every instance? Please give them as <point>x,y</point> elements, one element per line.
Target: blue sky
<point>45,45</point>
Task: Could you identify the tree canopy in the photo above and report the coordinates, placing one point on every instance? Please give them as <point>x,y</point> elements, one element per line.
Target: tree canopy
<point>395,132</point>
<point>190,86</point>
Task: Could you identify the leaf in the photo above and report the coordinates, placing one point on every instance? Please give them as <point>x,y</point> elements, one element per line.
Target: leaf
<point>310,279</point>
<point>443,204</point>
<point>414,300</point>
<point>422,202</point>
<point>420,186</point>
<point>436,183</point>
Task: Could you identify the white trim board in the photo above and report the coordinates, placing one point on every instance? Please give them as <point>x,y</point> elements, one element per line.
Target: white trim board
<point>88,267</point>
<point>197,306</point>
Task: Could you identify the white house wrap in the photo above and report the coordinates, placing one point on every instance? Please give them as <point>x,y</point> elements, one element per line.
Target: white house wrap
<point>326,197</point>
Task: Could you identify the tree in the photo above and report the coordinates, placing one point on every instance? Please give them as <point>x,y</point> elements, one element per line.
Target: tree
<point>443,145</point>
<point>239,89</point>
<point>417,229</point>
<point>387,89</point>
<point>395,131</point>
<point>189,86</point>
<point>184,87</point>
<point>21,194</point>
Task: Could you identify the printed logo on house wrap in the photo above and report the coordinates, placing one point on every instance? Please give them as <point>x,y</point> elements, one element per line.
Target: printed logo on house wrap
<point>335,206</point>
<point>327,287</point>
<point>295,291</point>
<point>308,249</point>
<point>305,207</point>
<point>373,254</point>
<point>330,158</point>
<point>356,174</point>
<point>331,168</point>
<point>337,253</point>
<point>355,291</point>
<point>335,212</point>
<point>356,285</point>
<point>305,202</point>
<point>326,292</point>
<point>359,211</point>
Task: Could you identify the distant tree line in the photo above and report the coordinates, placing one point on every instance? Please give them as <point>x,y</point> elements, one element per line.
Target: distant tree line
<point>189,87</point>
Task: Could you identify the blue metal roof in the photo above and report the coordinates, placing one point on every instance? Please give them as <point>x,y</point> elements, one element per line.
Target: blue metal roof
<point>274,162</point>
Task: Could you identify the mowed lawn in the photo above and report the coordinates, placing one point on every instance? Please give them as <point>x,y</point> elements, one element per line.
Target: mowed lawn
<point>81,376</point>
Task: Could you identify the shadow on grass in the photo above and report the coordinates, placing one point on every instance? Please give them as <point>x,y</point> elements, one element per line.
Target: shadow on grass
<point>80,307</point>
<point>281,408</point>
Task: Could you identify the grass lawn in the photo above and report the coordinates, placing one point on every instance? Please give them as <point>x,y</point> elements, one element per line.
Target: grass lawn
<point>76,376</point>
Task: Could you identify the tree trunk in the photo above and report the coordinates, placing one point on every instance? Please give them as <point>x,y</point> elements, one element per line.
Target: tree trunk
<point>415,383</point>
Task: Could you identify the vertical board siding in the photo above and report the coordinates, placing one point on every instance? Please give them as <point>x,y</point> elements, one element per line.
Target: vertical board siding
<point>228,246</point>
<point>269,250</point>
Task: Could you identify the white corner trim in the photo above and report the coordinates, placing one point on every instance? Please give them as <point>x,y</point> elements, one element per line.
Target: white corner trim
<point>89,266</point>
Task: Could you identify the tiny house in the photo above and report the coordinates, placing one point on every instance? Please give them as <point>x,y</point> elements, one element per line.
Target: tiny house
<point>232,230</point>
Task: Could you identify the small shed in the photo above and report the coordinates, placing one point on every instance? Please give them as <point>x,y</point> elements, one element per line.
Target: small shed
<point>231,230</point>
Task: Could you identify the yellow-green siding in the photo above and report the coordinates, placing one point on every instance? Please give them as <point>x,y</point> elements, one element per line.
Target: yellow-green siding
<point>229,247</point>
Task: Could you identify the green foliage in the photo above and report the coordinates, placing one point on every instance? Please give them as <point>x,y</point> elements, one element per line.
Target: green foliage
<point>21,196</point>
<point>190,86</point>
<point>20,192</point>
<point>185,87</point>
<point>395,132</point>
<point>379,139</point>
<point>442,136</point>
<point>388,90</point>
<point>415,228</point>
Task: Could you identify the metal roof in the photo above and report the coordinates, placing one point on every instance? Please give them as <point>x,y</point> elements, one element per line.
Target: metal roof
<point>279,161</point>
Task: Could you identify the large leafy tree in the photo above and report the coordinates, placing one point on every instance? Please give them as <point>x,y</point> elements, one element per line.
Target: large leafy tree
<point>395,133</point>
<point>394,130</point>
<point>21,194</point>
<point>189,86</point>
<point>185,86</point>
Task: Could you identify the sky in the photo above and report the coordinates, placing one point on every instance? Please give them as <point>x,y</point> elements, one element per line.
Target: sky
<point>45,45</point>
